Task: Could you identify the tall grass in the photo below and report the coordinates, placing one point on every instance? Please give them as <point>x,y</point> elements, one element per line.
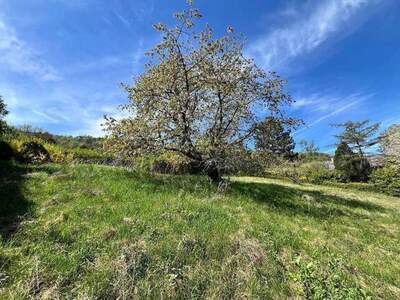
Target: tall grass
<point>88,231</point>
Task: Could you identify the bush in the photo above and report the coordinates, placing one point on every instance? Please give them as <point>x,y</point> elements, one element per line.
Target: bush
<point>316,172</point>
<point>283,170</point>
<point>356,169</point>
<point>166,163</point>
<point>32,152</point>
<point>6,152</point>
<point>245,163</point>
<point>171,163</point>
<point>387,179</point>
<point>17,140</point>
<point>59,153</point>
<point>310,172</point>
<point>351,166</point>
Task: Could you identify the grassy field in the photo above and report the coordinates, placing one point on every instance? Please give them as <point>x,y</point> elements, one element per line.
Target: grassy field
<point>84,231</point>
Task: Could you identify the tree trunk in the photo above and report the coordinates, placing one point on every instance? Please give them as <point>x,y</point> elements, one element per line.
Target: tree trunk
<point>214,174</point>
<point>360,150</point>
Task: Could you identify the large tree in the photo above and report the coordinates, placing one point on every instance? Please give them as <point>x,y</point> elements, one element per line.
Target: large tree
<point>3,113</point>
<point>359,136</point>
<point>272,137</point>
<point>198,96</point>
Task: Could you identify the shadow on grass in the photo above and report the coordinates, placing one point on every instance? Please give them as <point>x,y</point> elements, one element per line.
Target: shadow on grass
<point>288,200</point>
<point>294,201</point>
<point>13,205</point>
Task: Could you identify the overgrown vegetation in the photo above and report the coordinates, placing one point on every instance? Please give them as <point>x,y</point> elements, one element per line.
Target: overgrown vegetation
<point>88,231</point>
<point>352,167</point>
<point>197,97</point>
<point>387,179</point>
<point>69,142</point>
<point>304,225</point>
<point>56,152</point>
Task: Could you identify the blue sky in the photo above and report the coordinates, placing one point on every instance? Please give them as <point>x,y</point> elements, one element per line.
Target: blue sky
<point>62,61</point>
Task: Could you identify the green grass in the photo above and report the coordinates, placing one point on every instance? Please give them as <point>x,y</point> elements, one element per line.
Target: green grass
<point>85,231</point>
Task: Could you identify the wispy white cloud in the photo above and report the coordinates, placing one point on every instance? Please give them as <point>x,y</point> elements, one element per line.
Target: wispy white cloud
<point>60,107</point>
<point>306,102</point>
<point>94,126</point>
<point>321,103</point>
<point>45,116</point>
<point>122,19</point>
<point>68,106</point>
<point>132,60</point>
<point>17,56</point>
<point>103,63</point>
<point>325,107</point>
<point>336,111</point>
<point>308,27</point>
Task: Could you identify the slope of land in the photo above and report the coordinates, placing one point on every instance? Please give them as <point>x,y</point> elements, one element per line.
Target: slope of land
<point>85,231</point>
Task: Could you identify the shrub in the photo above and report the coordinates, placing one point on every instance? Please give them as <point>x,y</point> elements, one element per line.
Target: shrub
<point>245,163</point>
<point>170,163</point>
<point>351,166</point>
<point>387,179</point>
<point>310,172</point>
<point>142,164</point>
<point>316,172</point>
<point>166,163</point>
<point>6,152</point>
<point>282,170</point>
<point>19,139</point>
<point>32,152</point>
<point>342,155</point>
<point>58,154</point>
<point>355,169</point>
<point>86,155</point>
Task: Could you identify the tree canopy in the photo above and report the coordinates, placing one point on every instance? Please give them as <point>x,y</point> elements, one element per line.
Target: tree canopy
<point>273,138</point>
<point>359,136</point>
<point>343,153</point>
<point>352,165</point>
<point>198,97</point>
